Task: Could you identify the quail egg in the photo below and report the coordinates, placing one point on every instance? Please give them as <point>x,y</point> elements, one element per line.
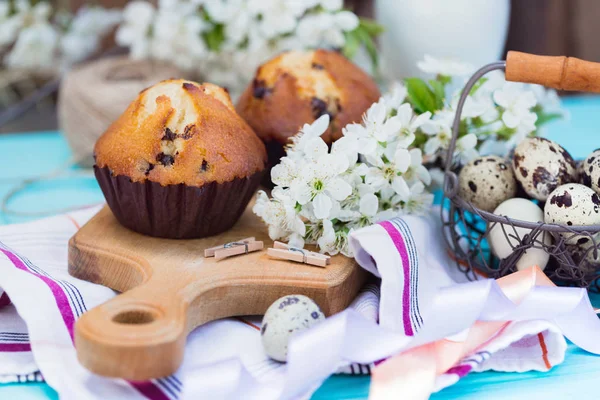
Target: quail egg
<point>542,165</point>
<point>503,241</point>
<point>584,253</point>
<point>590,171</point>
<point>286,316</point>
<point>486,182</point>
<point>573,204</point>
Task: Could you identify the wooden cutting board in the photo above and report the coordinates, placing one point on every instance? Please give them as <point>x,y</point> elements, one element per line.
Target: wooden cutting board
<point>169,289</point>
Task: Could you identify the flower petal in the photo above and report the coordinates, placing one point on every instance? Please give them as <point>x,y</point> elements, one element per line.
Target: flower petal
<point>339,189</point>
<point>399,185</point>
<point>369,205</point>
<point>322,205</point>
<point>402,159</point>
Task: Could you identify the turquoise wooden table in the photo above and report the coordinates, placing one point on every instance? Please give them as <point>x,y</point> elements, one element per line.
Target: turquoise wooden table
<point>29,155</point>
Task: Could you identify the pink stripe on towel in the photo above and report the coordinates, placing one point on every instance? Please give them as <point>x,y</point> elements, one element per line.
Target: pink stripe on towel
<point>147,389</point>
<point>4,300</point>
<point>61,300</point>
<point>150,390</point>
<point>401,247</point>
<point>14,347</point>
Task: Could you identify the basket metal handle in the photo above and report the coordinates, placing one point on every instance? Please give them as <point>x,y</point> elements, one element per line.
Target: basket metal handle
<point>450,178</point>
<point>563,73</point>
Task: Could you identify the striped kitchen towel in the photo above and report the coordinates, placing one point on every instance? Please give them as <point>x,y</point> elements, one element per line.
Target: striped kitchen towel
<point>417,310</point>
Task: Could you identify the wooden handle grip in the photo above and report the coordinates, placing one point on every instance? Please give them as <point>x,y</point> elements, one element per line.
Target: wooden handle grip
<point>138,335</point>
<point>563,73</point>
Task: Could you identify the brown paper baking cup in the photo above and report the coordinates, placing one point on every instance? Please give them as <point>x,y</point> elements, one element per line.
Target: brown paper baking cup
<point>176,211</point>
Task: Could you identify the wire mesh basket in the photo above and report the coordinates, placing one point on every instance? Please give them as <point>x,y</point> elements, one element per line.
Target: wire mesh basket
<point>467,228</point>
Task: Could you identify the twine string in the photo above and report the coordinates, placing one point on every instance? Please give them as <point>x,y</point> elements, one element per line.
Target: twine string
<point>300,251</point>
<point>232,244</point>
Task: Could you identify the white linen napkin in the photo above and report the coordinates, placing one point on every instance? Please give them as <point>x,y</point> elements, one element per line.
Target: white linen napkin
<point>420,303</point>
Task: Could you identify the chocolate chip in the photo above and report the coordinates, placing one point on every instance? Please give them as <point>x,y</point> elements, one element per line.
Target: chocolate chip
<point>259,88</point>
<point>263,329</point>
<point>491,159</point>
<point>598,181</point>
<point>165,159</point>
<point>188,131</point>
<point>569,223</point>
<point>150,168</point>
<point>523,172</point>
<point>583,240</point>
<point>591,160</point>
<point>503,166</point>
<point>204,166</point>
<point>314,314</point>
<point>169,135</point>
<point>317,66</point>
<point>491,188</point>
<point>595,199</point>
<point>586,179</point>
<point>319,107</point>
<point>473,186</point>
<point>563,200</point>
<point>477,162</point>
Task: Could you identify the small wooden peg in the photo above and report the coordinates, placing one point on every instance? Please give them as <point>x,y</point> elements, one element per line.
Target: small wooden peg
<point>286,252</point>
<point>242,246</point>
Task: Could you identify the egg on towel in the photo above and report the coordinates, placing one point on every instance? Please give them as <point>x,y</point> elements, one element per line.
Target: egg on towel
<point>573,204</point>
<point>541,165</point>
<point>590,171</point>
<point>502,247</point>
<point>286,316</point>
<point>486,182</point>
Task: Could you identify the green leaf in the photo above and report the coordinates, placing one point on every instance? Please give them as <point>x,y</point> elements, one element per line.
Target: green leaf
<point>351,45</point>
<point>420,95</point>
<point>215,38</point>
<point>440,93</point>
<point>367,41</point>
<point>477,85</point>
<point>544,118</point>
<point>371,26</point>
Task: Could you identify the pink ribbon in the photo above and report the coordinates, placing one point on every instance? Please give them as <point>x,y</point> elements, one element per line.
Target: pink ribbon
<point>413,372</point>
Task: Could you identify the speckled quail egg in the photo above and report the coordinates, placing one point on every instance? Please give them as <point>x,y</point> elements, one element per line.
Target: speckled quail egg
<point>590,171</point>
<point>486,182</point>
<point>573,204</point>
<point>584,253</point>
<point>286,316</point>
<point>541,166</point>
<point>503,241</point>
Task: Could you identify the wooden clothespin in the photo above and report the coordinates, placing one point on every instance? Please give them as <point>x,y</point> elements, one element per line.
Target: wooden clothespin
<point>286,252</point>
<point>242,246</point>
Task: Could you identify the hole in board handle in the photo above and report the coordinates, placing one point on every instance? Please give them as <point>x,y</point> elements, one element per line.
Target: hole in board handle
<point>134,317</point>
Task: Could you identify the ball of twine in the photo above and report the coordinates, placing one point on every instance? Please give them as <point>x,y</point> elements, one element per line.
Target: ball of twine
<point>91,97</point>
<point>94,95</point>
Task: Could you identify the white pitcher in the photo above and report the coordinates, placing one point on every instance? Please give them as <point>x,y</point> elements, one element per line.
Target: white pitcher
<point>473,31</point>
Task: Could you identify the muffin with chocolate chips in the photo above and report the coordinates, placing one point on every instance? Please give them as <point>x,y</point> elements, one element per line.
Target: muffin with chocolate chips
<point>179,162</point>
<point>298,87</point>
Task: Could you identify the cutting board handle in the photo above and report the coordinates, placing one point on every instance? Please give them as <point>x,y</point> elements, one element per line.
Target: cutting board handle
<point>137,328</point>
<point>563,73</point>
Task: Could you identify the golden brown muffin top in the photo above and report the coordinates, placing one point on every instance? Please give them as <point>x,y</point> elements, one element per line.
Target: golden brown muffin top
<point>179,131</point>
<point>298,87</point>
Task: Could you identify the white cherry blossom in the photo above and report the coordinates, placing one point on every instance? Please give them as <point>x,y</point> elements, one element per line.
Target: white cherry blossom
<point>517,104</point>
<point>444,66</point>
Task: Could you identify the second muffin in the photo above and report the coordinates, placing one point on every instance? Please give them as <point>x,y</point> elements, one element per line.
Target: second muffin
<point>297,87</point>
